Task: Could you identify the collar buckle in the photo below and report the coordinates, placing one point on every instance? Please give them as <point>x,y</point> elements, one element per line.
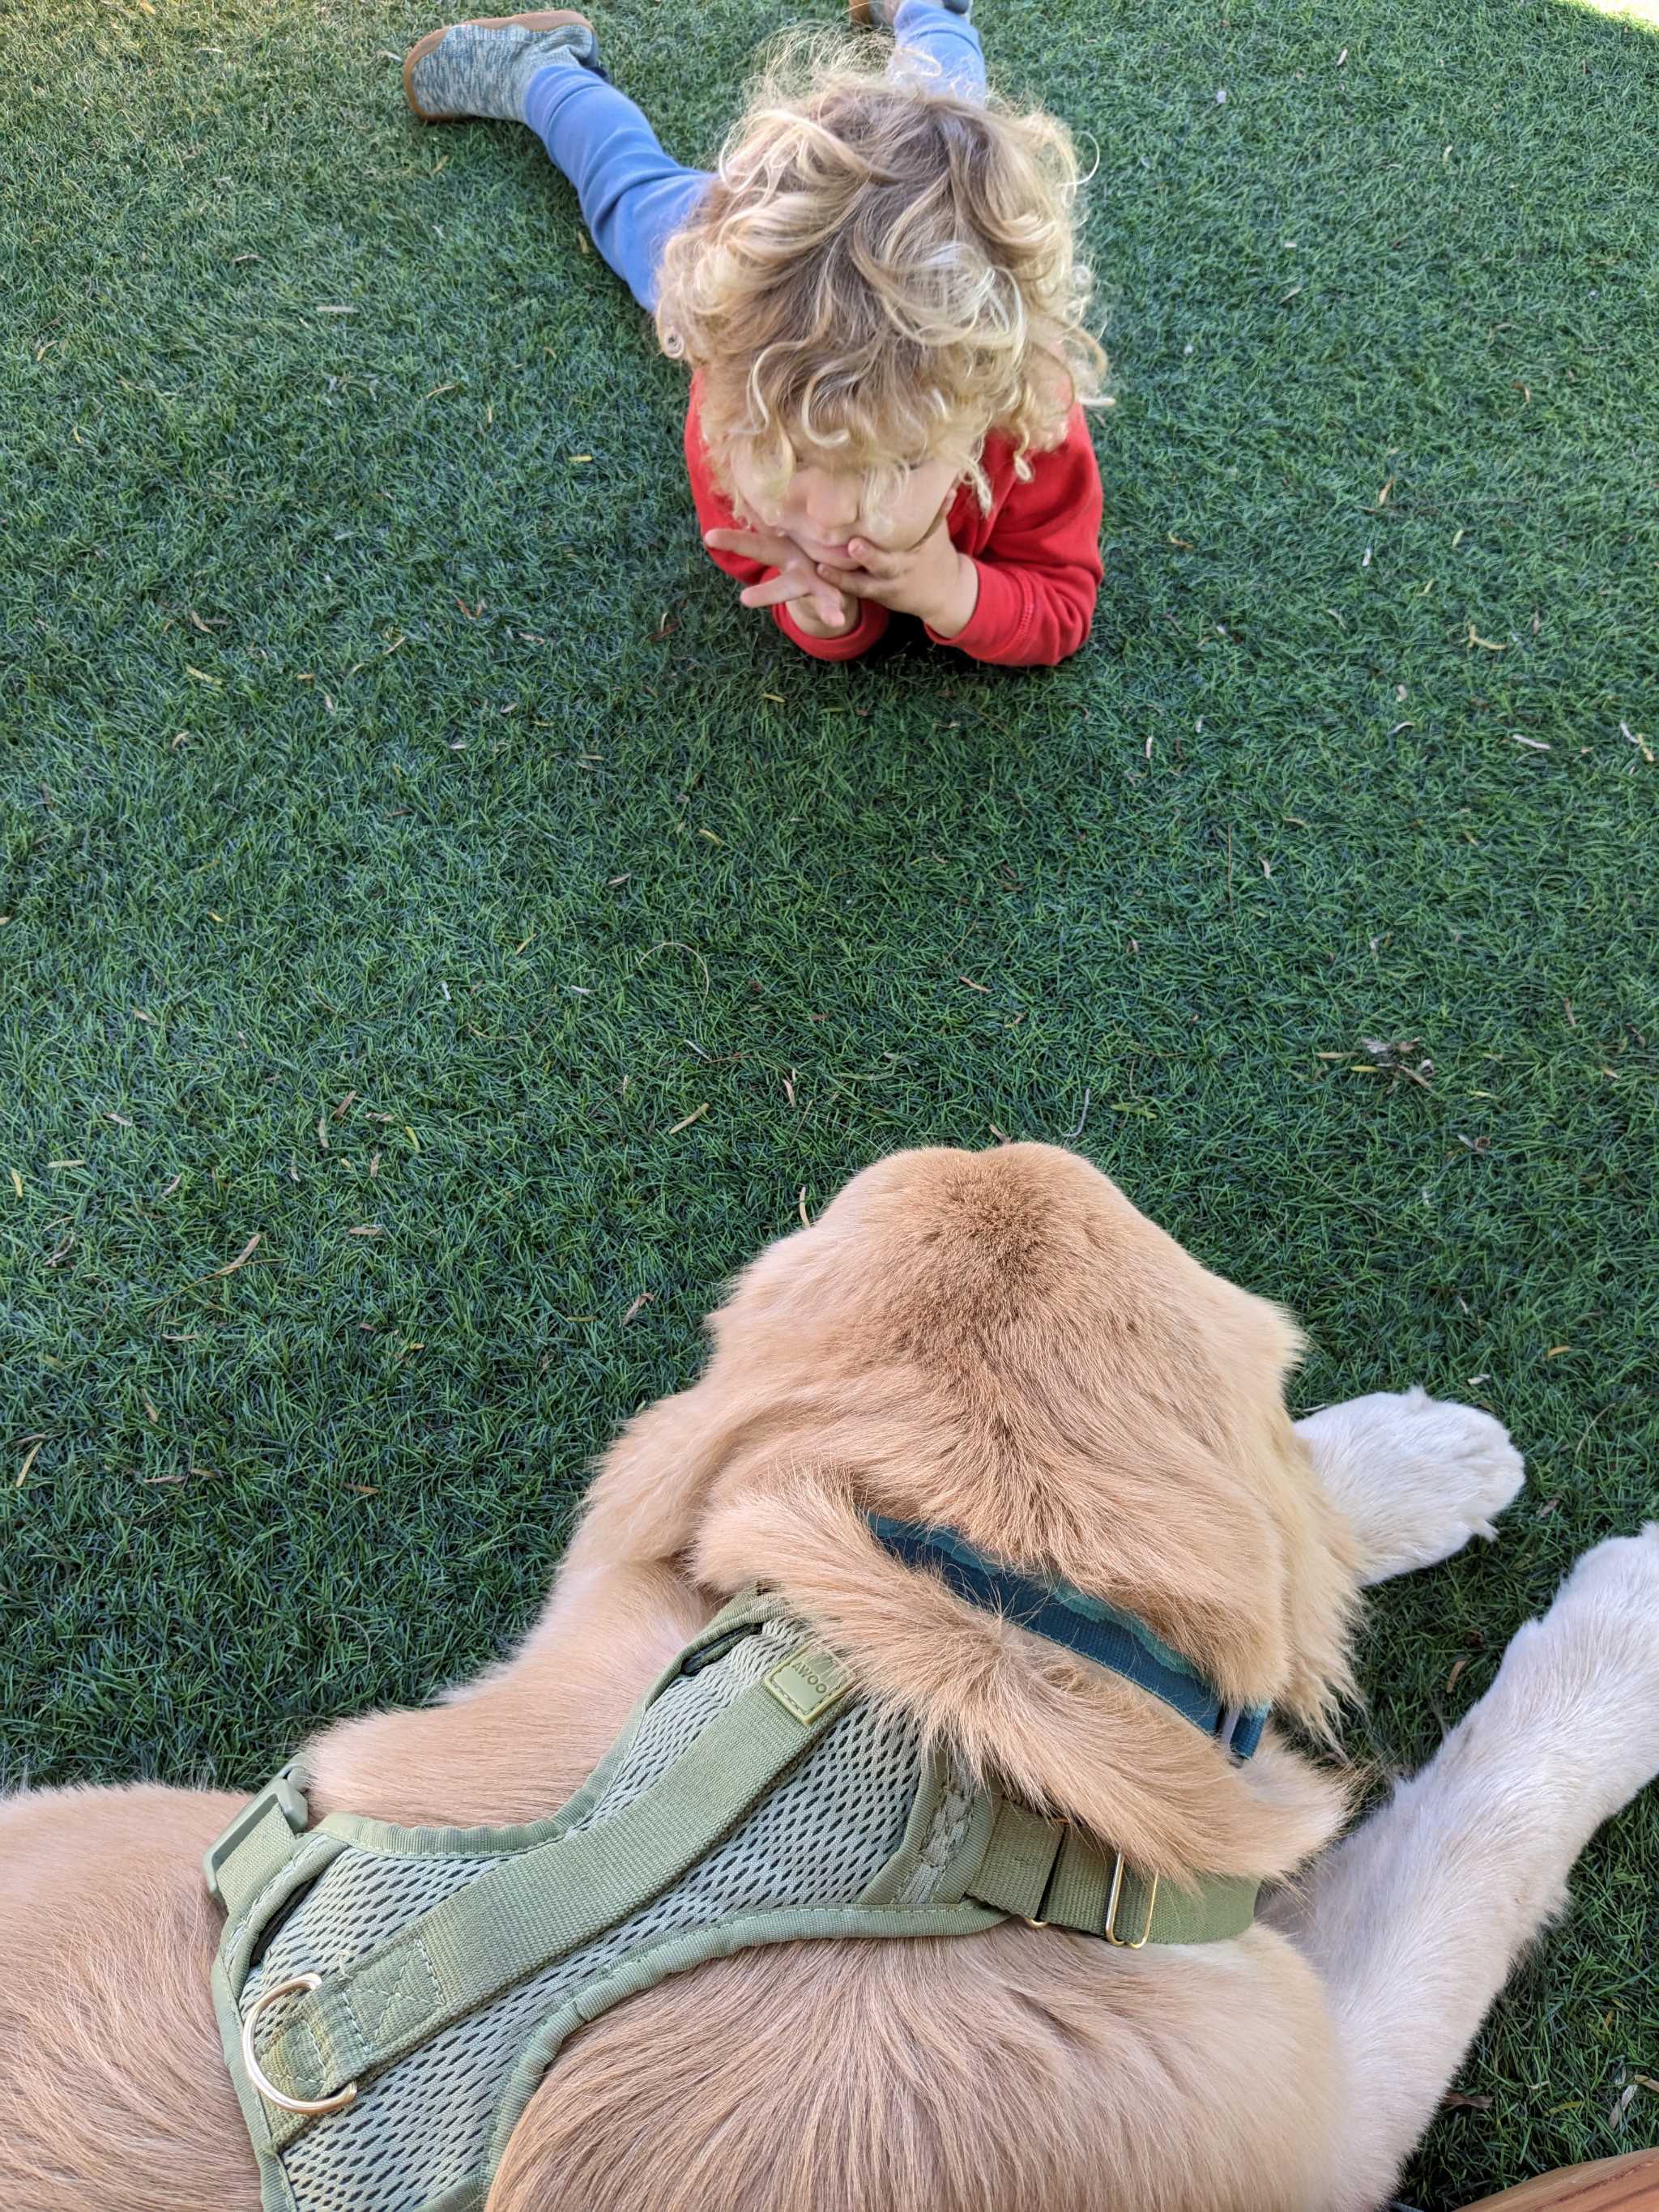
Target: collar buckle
<point>1109,1931</point>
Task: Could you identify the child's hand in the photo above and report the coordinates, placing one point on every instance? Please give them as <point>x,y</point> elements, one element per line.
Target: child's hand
<point>820,607</point>
<point>931,580</point>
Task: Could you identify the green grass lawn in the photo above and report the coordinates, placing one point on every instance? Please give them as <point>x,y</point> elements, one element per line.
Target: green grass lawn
<point>416,862</point>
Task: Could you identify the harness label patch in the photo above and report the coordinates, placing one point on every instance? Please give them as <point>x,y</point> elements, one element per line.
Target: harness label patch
<point>808,1683</point>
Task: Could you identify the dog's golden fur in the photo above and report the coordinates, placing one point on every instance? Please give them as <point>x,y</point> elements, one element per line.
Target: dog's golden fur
<point>995,1341</point>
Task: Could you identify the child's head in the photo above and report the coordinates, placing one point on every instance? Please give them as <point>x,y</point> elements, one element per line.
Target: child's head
<point>882,272</point>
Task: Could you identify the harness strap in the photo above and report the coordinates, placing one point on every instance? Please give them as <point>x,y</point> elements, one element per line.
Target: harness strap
<point>1048,1873</point>
<point>546,1900</point>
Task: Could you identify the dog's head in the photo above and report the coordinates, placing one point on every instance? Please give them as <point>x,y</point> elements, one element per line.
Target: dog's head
<point>999,1343</point>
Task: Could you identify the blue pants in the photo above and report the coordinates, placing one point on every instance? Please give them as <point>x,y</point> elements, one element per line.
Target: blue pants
<point>633,197</point>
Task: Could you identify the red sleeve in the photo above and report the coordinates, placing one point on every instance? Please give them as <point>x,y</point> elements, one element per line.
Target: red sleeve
<point>714,513</point>
<point>1039,574</point>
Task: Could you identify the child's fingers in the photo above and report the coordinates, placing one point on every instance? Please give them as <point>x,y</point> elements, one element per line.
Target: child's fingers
<point>873,561</point>
<point>770,591</point>
<point>854,582</point>
<point>743,542</point>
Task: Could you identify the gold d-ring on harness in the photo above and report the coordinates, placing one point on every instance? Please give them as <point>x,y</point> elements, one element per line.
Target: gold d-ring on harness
<point>256,2073</point>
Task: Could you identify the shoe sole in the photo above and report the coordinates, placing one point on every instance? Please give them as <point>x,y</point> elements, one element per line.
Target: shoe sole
<point>536,19</point>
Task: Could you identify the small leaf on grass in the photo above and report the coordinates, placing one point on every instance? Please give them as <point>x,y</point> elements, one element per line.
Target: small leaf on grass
<point>242,1257</point>
<point>366,1229</point>
<point>28,1462</point>
<point>688,1119</point>
<point>16,1182</point>
<point>645,1298</point>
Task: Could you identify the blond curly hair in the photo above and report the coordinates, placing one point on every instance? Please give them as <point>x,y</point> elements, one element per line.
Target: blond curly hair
<point>883,271</point>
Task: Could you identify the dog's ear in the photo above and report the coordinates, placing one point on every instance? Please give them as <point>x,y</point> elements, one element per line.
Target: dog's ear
<point>653,1486</point>
<point>1301,1582</point>
<point>643,1505</point>
<point>1320,1587</point>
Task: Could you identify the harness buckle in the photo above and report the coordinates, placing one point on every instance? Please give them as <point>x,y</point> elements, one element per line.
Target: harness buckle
<point>283,1794</point>
<point>1109,1931</point>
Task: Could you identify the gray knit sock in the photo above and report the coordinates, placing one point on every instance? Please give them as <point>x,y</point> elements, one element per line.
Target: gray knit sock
<point>473,70</point>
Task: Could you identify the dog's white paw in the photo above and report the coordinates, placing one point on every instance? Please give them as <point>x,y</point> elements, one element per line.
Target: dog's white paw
<point>1611,1596</point>
<point>1589,1671</point>
<point>1416,1476</point>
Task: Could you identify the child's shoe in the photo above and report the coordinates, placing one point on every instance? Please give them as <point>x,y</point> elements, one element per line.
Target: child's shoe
<point>877,15</point>
<point>485,67</point>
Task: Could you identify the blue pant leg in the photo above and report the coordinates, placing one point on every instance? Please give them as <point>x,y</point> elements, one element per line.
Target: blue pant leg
<point>948,41</point>
<point>633,197</point>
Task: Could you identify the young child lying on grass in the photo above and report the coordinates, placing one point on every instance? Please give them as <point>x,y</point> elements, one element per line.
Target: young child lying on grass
<point>879,294</point>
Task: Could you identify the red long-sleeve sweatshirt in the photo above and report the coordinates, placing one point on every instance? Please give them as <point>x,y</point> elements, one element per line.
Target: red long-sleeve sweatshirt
<point>1037,550</point>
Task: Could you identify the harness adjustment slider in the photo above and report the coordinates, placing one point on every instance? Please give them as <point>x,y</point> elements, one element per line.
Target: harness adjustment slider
<point>284,1794</point>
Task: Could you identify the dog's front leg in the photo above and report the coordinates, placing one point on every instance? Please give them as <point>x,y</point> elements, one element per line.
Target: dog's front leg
<point>1415,1476</point>
<point>1414,1922</point>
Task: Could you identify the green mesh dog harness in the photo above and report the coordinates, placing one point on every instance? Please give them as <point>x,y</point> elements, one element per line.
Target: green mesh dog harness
<point>390,1998</point>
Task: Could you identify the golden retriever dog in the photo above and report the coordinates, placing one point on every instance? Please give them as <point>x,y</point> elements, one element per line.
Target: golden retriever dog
<point>999,1343</point>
